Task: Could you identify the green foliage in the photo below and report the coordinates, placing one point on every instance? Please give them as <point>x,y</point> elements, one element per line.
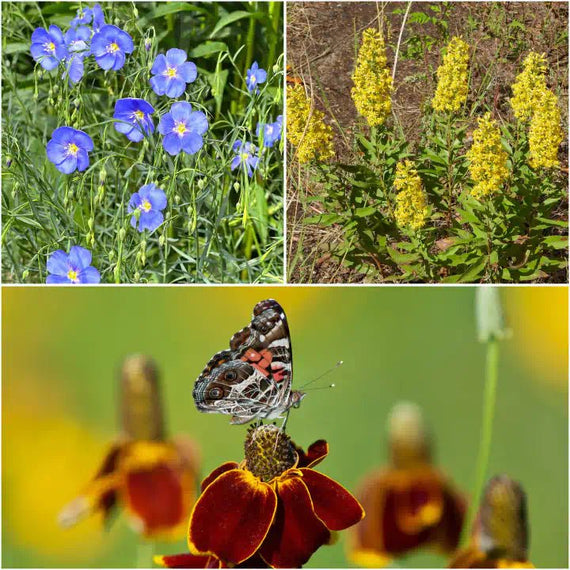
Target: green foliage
<point>220,226</point>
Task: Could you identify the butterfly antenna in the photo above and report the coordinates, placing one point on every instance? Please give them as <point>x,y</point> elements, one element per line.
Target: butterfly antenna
<point>339,363</point>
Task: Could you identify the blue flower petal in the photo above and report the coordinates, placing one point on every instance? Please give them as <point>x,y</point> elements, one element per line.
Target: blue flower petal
<point>181,111</point>
<point>67,166</point>
<point>58,263</point>
<point>106,61</point>
<point>82,160</point>
<point>159,65</point>
<point>172,144</point>
<point>89,276</point>
<point>56,152</point>
<point>57,280</point>
<point>198,122</point>
<point>166,124</point>
<point>119,61</point>
<point>176,57</point>
<point>235,162</point>
<point>150,220</point>
<point>159,84</point>
<point>79,257</point>
<point>175,86</point>
<point>261,75</point>
<point>157,198</point>
<point>188,72</point>
<point>134,202</point>
<point>192,143</point>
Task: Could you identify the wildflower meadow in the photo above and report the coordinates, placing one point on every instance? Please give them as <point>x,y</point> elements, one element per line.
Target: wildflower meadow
<point>428,143</point>
<point>142,142</point>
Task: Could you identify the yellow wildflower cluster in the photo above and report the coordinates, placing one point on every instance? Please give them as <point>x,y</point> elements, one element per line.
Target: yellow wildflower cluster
<point>411,202</point>
<point>372,79</point>
<point>306,128</point>
<point>487,158</point>
<point>545,132</point>
<point>452,76</point>
<point>528,86</point>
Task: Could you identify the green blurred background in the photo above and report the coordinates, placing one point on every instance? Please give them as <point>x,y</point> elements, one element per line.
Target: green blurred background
<point>62,348</point>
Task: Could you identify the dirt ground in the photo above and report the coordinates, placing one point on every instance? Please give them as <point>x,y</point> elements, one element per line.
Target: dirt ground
<point>322,42</point>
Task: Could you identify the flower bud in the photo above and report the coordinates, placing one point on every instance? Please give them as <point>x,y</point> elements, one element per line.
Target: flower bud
<point>141,405</point>
<point>147,44</point>
<point>122,234</point>
<point>25,274</point>
<point>161,240</point>
<point>410,442</point>
<point>90,222</point>
<point>201,183</point>
<point>489,315</point>
<point>268,452</point>
<point>236,186</point>
<point>503,531</point>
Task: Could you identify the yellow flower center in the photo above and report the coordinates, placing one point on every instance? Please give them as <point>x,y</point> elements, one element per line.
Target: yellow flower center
<point>146,206</point>
<point>170,72</point>
<point>244,156</point>
<point>72,149</point>
<point>139,115</point>
<point>72,275</point>
<point>50,46</point>
<point>180,128</point>
<point>112,48</point>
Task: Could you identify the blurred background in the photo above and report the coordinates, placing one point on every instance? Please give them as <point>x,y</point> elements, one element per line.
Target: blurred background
<point>62,349</point>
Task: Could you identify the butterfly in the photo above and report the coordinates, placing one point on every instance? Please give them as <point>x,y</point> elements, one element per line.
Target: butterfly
<point>252,379</point>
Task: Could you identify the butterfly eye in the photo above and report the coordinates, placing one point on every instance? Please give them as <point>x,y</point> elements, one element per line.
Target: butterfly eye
<point>231,375</point>
<point>215,393</point>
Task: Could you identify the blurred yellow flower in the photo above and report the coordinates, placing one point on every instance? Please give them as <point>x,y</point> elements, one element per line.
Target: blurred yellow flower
<point>545,132</point>
<point>372,80</point>
<point>528,86</point>
<point>306,128</point>
<point>43,459</point>
<point>411,202</point>
<point>538,317</point>
<point>453,77</point>
<point>487,158</point>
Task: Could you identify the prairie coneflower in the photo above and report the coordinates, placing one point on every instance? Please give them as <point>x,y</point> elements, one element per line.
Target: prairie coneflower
<point>152,477</point>
<point>409,504</point>
<point>411,201</point>
<point>487,158</point>
<point>274,508</point>
<point>372,80</point>
<point>306,128</point>
<point>452,77</point>
<point>500,534</point>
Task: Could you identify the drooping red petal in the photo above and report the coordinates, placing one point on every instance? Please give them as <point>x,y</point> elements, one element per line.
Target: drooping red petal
<point>316,452</point>
<point>187,561</point>
<point>448,532</point>
<point>108,500</point>
<point>296,532</point>
<point>332,503</point>
<point>232,517</point>
<point>159,497</point>
<point>228,466</point>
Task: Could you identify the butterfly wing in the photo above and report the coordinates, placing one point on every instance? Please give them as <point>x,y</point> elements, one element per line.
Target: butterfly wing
<point>253,378</point>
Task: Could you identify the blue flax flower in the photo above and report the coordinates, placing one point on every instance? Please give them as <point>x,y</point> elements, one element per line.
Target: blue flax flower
<point>68,149</point>
<point>245,157</point>
<point>149,201</point>
<point>98,18</point>
<point>135,118</point>
<point>109,46</point>
<point>82,18</point>
<point>271,132</point>
<point>182,129</point>
<point>171,73</point>
<point>77,46</point>
<point>255,75</point>
<point>48,47</point>
<point>73,268</point>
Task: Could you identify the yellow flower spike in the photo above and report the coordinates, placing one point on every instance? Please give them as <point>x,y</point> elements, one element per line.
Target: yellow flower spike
<point>411,202</point>
<point>452,77</point>
<point>306,128</point>
<point>545,133</point>
<point>487,158</point>
<point>528,86</point>
<point>372,80</point>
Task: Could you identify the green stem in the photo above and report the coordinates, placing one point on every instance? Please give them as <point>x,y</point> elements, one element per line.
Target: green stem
<point>490,396</point>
